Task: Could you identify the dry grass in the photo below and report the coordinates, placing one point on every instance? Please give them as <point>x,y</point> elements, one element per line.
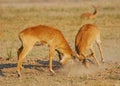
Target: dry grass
<point>17,15</point>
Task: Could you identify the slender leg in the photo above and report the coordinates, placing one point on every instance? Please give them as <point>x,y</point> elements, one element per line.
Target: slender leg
<point>22,55</point>
<point>100,49</point>
<point>92,50</point>
<point>51,54</point>
<point>19,51</point>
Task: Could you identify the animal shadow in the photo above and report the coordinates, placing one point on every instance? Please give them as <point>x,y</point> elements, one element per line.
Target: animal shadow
<point>56,65</point>
<point>8,65</point>
<point>40,66</point>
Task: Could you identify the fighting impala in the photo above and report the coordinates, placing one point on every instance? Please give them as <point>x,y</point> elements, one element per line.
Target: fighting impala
<point>87,35</point>
<point>44,35</point>
<point>89,15</point>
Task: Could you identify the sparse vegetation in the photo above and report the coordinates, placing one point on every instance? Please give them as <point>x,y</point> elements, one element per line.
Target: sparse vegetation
<point>9,54</point>
<point>16,15</point>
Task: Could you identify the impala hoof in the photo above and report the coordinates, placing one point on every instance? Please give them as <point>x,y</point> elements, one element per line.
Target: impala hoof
<point>53,72</point>
<point>102,61</point>
<point>85,63</point>
<point>19,74</point>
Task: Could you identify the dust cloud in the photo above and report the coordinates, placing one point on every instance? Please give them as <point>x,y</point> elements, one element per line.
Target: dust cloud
<point>77,69</point>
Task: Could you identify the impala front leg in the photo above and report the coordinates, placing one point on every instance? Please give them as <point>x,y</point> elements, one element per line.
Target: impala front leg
<point>93,52</point>
<point>100,49</point>
<point>51,54</point>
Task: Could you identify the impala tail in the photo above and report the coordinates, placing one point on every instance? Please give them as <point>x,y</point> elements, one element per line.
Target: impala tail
<point>95,10</point>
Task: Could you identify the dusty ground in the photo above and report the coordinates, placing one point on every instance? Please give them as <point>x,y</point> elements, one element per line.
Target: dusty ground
<point>65,15</point>
<point>36,73</point>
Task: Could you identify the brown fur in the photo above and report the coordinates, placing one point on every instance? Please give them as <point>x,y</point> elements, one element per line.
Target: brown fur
<point>90,15</point>
<point>45,35</point>
<point>87,35</point>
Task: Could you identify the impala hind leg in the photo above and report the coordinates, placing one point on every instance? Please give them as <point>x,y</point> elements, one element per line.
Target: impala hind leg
<point>22,55</point>
<point>18,53</point>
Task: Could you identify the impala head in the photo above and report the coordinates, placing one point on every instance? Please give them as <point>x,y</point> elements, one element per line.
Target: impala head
<point>80,57</point>
<point>68,58</point>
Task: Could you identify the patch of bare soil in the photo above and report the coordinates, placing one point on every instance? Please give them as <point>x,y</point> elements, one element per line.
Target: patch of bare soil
<point>36,73</point>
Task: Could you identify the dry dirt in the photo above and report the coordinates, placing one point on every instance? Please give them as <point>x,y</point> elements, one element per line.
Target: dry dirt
<point>36,72</point>
<point>16,16</point>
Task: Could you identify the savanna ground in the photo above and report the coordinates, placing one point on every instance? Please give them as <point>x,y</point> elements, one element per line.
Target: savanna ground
<point>16,15</point>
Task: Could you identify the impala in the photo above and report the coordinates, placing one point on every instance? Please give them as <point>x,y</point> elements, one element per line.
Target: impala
<point>87,35</point>
<point>88,15</point>
<point>44,35</point>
